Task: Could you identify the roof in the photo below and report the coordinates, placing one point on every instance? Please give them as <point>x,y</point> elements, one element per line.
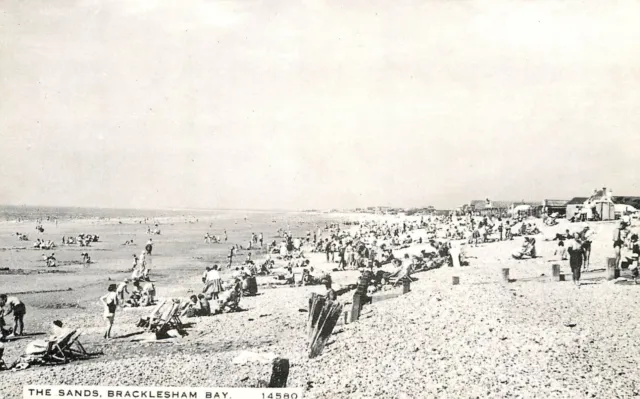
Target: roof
<point>622,200</point>
<point>481,204</point>
<point>556,203</point>
<point>577,201</point>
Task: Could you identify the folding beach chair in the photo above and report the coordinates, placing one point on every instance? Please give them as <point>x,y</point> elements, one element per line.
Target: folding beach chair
<point>169,320</point>
<point>174,318</point>
<point>153,317</point>
<point>54,352</point>
<point>74,349</point>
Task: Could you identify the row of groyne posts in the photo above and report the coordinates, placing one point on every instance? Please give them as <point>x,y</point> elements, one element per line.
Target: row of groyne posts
<point>613,272</point>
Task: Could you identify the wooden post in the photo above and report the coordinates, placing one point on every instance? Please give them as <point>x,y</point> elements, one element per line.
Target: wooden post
<point>323,329</point>
<point>561,277</point>
<point>346,313</point>
<point>279,373</point>
<point>555,270</point>
<point>406,285</point>
<point>455,280</point>
<point>505,275</point>
<point>356,307</point>
<point>612,270</point>
<point>316,304</point>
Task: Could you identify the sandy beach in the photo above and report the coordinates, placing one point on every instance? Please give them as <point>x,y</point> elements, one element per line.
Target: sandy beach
<point>532,337</point>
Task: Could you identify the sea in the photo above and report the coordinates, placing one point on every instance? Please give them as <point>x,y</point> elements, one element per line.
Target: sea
<point>33,213</point>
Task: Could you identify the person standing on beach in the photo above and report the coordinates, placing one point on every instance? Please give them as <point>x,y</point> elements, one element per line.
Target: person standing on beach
<point>135,262</point>
<point>261,239</point>
<point>618,241</point>
<point>587,239</point>
<point>122,288</point>
<point>231,253</point>
<point>213,283</point>
<point>225,236</point>
<point>110,302</point>
<point>575,249</point>
<point>327,249</point>
<point>17,308</point>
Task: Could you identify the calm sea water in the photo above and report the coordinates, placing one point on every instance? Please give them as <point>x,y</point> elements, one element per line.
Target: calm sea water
<point>12,212</point>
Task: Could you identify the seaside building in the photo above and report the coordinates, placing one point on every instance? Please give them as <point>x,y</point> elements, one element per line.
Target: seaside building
<point>574,206</point>
<point>551,206</point>
<point>487,207</point>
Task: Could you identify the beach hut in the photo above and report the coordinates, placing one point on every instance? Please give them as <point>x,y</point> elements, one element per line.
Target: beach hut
<point>551,206</point>
<point>522,209</point>
<point>599,202</point>
<point>605,208</point>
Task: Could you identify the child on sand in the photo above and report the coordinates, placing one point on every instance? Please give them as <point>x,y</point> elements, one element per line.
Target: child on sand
<point>17,308</point>
<point>110,302</point>
<point>122,288</point>
<point>561,250</point>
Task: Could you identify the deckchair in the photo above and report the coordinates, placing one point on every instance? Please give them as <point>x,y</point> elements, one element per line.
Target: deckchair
<point>174,318</point>
<point>168,321</point>
<point>74,349</point>
<point>153,316</point>
<point>54,352</point>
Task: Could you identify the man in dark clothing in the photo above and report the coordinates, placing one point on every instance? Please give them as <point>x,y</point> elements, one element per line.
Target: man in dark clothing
<point>331,294</point>
<point>363,285</point>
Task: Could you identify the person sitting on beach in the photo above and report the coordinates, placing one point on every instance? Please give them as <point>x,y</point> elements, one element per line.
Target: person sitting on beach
<point>331,294</point>
<point>528,249</point>
<point>191,307</point>
<point>231,299</point>
<point>561,251</point>
<point>58,330</point>
<point>205,307</point>
<point>86,258</point>
<point>135,296</point>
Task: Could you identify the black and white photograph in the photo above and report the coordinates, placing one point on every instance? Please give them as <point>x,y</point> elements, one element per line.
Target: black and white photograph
<point>318,199</point>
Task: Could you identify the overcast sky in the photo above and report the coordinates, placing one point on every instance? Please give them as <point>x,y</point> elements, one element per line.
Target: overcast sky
<point>316,104</point>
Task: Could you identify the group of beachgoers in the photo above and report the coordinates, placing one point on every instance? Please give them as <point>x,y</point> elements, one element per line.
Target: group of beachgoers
<point>43,244</point>
<point>83,240</point>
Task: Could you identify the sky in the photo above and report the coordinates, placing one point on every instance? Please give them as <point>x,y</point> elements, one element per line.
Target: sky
<point>316,104</point>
